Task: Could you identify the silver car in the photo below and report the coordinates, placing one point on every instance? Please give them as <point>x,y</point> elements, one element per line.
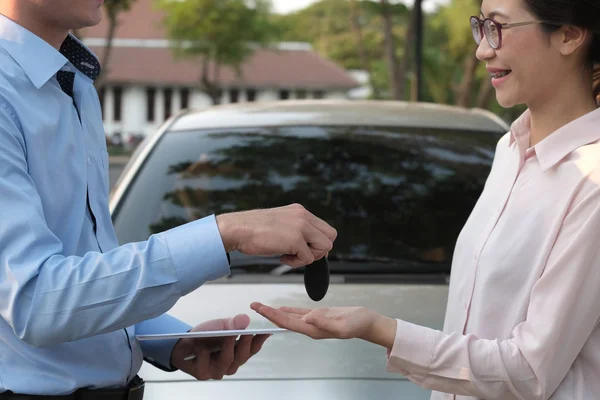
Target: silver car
<point>397,180</point>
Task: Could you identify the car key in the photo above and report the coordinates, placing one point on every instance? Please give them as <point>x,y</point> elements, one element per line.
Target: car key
<point>316,279</point>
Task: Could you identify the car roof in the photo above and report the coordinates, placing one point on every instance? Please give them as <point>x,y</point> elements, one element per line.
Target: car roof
<point>338,112</point>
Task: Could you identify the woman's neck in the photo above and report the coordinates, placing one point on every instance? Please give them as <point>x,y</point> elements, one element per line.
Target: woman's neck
<point>570,101</point>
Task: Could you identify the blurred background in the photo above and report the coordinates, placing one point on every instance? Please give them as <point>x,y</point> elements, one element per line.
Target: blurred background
<point>161,56</point>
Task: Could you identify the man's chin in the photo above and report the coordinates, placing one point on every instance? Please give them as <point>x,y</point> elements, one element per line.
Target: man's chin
<point>93,20</point>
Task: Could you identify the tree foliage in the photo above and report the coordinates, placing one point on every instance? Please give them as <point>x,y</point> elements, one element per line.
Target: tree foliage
<point>222,32</point>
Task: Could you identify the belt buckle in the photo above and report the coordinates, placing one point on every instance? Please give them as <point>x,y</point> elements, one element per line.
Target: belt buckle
<point>136,392</point>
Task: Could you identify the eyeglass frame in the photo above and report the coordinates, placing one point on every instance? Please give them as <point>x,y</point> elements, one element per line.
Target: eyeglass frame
<point>499,27</point>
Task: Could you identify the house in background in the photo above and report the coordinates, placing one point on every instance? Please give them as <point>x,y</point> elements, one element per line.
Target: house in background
<point>146,84</point>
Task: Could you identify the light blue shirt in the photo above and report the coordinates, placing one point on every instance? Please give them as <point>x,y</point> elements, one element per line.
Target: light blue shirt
<point>71,299</point>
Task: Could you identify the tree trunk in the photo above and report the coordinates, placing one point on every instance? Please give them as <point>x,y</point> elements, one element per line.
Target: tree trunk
<point>325,29</point>
<point>360,44</point>
<point>396,84</point>
<point>210,87</point>
<point>216,81</point>
<point>408,48</point>
<point>463,98</point>
<point>112,26</point>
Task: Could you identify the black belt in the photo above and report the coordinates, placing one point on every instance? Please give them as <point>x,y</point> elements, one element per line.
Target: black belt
<point>135,391</point>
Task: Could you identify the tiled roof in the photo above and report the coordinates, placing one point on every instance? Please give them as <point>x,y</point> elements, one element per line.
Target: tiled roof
<point>265,68</point>
<point>156,65</point>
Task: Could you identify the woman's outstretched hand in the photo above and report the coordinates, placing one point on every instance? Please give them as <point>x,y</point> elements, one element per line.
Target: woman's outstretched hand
<point>333,323</point>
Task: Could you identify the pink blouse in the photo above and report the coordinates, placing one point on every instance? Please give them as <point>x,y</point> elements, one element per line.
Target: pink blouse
<point>524,301</point>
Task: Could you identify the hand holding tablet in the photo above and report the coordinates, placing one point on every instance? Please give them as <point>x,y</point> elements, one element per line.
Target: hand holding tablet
<point>207,334</point>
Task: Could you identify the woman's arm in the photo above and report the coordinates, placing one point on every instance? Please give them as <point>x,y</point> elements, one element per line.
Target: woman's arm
<point>562,314</point>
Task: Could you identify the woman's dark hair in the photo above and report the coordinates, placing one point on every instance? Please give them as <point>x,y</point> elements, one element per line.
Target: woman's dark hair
<point>582,13</point>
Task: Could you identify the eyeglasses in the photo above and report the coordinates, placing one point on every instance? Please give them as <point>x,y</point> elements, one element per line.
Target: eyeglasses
<point>493,30</point>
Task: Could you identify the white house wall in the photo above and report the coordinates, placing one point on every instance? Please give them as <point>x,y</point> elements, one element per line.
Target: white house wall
<point>134,112</point>
<point>336,95</point>
<point>134,115</point>
<point>267,95</point>
<point>199,99</point>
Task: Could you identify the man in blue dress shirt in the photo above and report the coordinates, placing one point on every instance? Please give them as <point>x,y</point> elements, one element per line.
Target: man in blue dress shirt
<point>71,299</point>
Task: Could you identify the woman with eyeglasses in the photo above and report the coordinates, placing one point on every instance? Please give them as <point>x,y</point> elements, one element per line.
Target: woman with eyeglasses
<point>523,312</point>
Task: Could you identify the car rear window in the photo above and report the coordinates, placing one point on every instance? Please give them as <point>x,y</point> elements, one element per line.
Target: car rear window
<point>391,192</point>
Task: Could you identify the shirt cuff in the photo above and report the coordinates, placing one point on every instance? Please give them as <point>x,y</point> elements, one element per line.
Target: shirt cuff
<point>413,350</point>
<point>158,352</point>
<point>197,253</point>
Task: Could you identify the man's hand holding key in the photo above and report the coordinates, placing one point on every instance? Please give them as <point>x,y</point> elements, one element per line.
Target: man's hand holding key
<point>292,232</point>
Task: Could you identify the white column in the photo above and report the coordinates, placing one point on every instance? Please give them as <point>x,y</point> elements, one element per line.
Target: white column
<point>267,95</point>
<point>108,104</point>
<point>199,99</point>
<point>159,107</point>
<point>109,125</point>
<point>225,99</point>
<point>336,95</point>
<point>176,102</point>
<point>242,98</point>
<point>134,109</point>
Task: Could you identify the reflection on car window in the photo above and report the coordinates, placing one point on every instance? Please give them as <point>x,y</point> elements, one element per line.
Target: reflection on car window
<point>399,193</point>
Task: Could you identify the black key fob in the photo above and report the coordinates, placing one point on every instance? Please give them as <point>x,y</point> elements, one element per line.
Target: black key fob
<point>316,279</point>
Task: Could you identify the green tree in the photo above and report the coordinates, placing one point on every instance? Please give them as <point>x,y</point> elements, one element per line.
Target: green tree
<point>357,32</point>
<point>453,74</point>
<point>396,76</point>
<point>113,9</point>
<point>350,32</point>
<point>221,32</point>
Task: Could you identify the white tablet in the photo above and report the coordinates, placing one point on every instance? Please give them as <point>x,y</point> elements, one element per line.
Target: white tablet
<point>207,334</point>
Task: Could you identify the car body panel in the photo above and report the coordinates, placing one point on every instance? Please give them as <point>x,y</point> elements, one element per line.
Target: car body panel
<point>294,363</point>
<point>299,389</point>
<point>334,112</point>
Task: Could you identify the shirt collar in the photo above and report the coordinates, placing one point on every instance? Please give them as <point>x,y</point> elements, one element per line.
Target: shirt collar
<point>584,130</point>
<point>38,59</point>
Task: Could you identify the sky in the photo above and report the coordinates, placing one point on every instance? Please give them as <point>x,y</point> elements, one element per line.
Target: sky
<point>286,6</point>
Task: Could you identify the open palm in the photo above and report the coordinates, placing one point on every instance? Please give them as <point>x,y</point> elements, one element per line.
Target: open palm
<point>321,323</point>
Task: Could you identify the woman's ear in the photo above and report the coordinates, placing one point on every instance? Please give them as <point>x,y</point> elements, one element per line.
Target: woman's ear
<point>570,39</point>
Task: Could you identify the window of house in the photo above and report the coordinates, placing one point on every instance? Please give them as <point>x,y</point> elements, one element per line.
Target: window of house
<point>101,96</point>
<point>185,98</point>
<point>251,95</point>
<point>168,102</point>
<point>319,94</point>
<point>150,109</point>
<point>284,94</point>
<point>301,94</point>
<point>234,95</point>
<point>117,102</point>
